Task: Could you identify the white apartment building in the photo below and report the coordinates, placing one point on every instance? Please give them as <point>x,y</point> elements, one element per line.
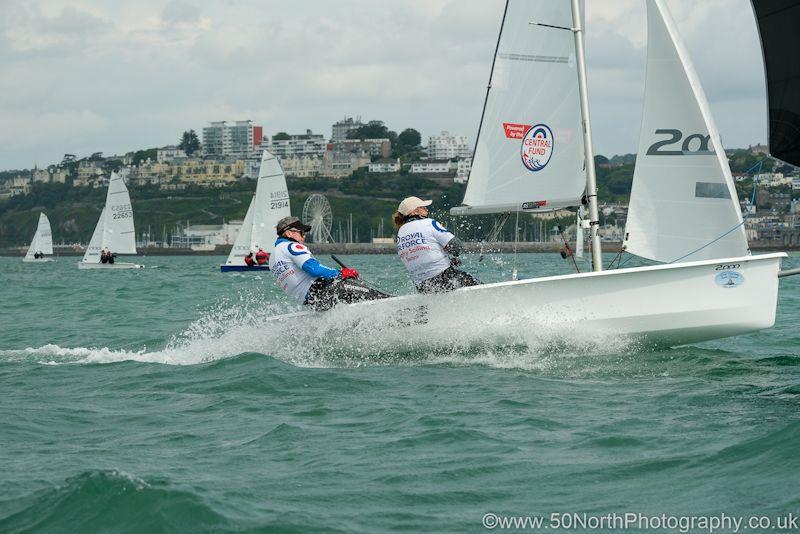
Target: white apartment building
<point>773,179</point>
<point>236,139</point>
<point>302,166</point>
<point>251,168</point>
<point>431,166</point>
<point>308,144</point>
<point>340,129</point>
<point>795,184</point>
<point>385,165</point>
<point>168,153</point>
<point>446,146</point>
<point>463,167</point>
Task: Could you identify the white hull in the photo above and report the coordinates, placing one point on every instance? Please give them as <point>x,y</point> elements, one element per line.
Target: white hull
<point>34,260</point>
<point>663,305</point>
<point>115,265</point>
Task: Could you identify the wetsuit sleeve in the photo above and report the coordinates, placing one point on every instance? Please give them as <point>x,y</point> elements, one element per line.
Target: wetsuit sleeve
<point>317,270</point>
<point>454,247</point>
<point>440,233</point>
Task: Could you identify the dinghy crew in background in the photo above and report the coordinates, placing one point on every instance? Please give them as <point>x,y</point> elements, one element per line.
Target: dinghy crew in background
<point>305,278</point>
<point>106,256</point>
<point>249,260</point>
<point>423,245</point>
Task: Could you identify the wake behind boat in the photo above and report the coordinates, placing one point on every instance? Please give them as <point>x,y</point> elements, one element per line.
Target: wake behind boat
<point>267,207</point>
<point>41,244</point>
<point>530,156</point>
<point>114,231</point>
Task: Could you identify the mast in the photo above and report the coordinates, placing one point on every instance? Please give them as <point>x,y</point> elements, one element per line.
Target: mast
<point>591,178</point>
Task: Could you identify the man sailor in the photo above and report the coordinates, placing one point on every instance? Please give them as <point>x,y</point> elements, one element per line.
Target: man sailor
<point>423,245</point>
<point>303,277</point>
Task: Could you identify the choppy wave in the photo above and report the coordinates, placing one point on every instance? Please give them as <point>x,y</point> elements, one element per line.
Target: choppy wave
<point>109,500</point>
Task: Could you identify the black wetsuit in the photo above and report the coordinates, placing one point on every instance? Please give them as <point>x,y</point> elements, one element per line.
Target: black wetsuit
<point>324,294</point>
<point>448,280</point>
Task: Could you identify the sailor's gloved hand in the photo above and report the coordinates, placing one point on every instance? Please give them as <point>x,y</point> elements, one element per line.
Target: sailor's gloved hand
<point>347,272</point>
<point>455,261</point>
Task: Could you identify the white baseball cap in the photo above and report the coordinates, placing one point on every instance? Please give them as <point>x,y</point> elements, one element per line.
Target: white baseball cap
<point>409,204</point>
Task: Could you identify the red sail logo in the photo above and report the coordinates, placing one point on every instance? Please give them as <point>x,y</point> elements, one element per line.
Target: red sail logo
<point>515,131</point>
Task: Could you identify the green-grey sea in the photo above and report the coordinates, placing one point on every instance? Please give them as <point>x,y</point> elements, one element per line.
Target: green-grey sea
<point>170,399</point>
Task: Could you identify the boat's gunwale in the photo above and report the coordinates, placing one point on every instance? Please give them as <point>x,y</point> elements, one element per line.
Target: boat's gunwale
<point>643,268</point>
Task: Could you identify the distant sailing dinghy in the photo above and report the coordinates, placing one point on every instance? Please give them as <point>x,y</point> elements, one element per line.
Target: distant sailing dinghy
<point>41,244</point>
<point>114,230</point>
<point>269,205</point>
<point>531,152</point>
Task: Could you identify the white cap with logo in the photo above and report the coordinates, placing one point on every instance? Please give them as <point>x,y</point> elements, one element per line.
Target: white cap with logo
<point>409,204</point>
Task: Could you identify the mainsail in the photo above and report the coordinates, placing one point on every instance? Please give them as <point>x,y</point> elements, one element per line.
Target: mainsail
<point>529,154</point>
<point>115,229</point>
<point>42,241</point>
<point>777,24</point>
<point>269,205</point>
<point>683,203</point>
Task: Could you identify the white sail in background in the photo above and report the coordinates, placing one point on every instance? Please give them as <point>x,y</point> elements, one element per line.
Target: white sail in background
<point>115,229</point>
<point>243,242</point>
<point>42,241</point>
<point>683,195</point>
<point>92,254</point>
<point>529,152</point>
<point>118,231</point>
<point>269,205</point>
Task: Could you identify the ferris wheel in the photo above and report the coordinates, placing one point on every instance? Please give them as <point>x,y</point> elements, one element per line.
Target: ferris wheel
<point>317,213</point>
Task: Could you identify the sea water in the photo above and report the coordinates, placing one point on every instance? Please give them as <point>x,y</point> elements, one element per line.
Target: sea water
<point>176,398</point>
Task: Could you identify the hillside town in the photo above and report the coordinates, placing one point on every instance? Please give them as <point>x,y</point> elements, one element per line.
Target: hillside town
<point>229,153</point>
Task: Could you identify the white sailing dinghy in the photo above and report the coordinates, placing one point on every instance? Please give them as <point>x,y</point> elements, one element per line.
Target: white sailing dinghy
<point>530,157</point>
<point>269,205</point>
<point>114,230</point>
<point>41,244</point>
<point>533,142</point>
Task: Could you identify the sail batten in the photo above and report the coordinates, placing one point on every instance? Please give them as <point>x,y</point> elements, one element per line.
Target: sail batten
<point>529,153</point>
<point>683,203</point>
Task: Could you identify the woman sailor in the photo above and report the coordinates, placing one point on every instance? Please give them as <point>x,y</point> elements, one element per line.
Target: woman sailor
<point>306,279</point>
<point>423,245</point>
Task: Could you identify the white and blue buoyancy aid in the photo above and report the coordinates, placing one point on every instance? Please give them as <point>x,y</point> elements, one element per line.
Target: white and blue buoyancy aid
<point>420,245</point>
<point>295,269</point>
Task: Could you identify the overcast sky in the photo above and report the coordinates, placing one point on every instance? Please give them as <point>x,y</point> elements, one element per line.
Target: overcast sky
<point>78,76</point>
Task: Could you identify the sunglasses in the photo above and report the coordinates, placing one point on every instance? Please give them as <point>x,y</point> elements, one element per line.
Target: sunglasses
<point>301,232</point>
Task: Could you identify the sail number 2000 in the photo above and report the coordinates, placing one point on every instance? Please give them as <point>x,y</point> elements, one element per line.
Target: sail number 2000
<point>692,144</point>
